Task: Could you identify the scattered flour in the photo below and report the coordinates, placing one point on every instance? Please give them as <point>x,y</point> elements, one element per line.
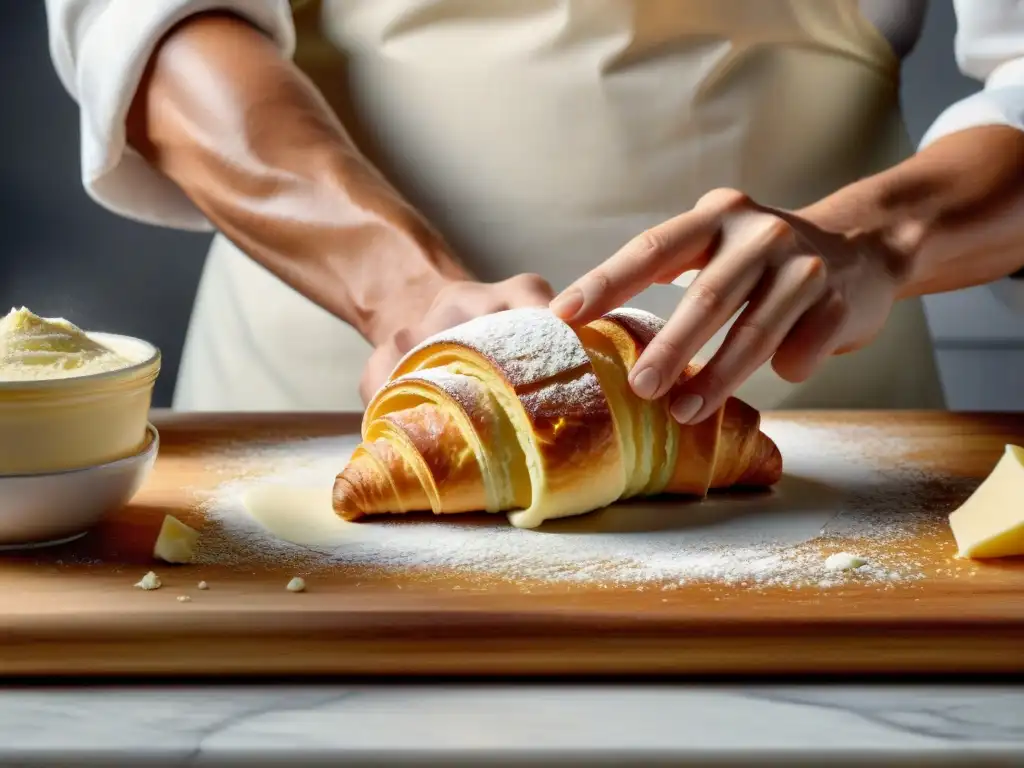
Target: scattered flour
<point>843,483</point>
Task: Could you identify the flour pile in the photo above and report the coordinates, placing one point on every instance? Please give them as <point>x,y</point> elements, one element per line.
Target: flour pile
<point>842,483</point>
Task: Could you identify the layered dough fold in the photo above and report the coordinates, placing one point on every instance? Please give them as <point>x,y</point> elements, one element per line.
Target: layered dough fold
<point>517,412</point>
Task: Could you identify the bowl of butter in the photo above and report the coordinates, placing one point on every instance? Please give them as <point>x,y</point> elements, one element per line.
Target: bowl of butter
<point>70,399</point>
<point>75,438</point>
<point>43,510</point>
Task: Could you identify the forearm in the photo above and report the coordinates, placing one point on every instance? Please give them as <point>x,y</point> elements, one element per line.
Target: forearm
<point>950,217</point>
<point>254,145</point>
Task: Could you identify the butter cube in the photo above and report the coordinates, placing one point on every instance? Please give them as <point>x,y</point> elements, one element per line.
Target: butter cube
<point>176,542</point>
<point>991,522</point>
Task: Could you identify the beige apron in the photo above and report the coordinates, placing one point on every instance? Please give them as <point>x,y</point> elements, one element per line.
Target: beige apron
<point>540,135</point>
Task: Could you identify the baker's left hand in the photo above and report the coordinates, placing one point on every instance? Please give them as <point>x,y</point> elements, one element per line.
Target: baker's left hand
<point>809,293</point>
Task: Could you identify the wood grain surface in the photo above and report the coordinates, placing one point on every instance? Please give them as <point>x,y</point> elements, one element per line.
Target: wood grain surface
<point>73,610</point>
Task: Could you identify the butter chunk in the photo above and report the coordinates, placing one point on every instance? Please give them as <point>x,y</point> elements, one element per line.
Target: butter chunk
<point>844,561</point>
<point>176,542</point>
<point>991,522</point>
<point>149,582</point>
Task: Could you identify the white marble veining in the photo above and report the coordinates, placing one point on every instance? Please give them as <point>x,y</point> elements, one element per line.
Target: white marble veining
<point>216,725</point>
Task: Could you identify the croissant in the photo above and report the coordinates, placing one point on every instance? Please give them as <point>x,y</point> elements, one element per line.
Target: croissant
<point>517,412</point>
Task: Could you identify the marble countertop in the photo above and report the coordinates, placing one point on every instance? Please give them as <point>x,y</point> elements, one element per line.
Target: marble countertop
<point>461,724</point>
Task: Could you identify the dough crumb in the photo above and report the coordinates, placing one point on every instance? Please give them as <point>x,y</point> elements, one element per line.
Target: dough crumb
<point>184,599</point>
<point>203,585</point>
<point>296,585</point>
<point>844,561</point>
<point>149,581</point>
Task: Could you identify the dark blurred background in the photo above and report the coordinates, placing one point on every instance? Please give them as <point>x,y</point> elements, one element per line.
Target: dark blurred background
<point>61,254</point>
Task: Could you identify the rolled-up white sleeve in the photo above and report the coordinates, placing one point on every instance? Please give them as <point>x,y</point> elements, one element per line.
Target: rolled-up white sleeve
<point>100,49</point>
<point>990,48</point>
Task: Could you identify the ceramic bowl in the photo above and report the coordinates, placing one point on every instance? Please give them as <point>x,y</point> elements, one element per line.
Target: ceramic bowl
<point>53,425</point>
<point>46,509</point>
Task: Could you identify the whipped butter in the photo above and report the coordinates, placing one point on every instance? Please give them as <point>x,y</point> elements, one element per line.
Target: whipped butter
<point>34,348</point>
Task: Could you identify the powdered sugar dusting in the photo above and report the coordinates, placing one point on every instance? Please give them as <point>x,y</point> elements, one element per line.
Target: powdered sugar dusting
<point>464,390</point>
<point>569,399</point>
<point>643,325</point>
<point>844,483</point>
<point>537,354</point>
<point>529,345</point>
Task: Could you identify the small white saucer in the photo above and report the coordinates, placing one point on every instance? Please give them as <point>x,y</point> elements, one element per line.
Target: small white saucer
<point>53,508</point>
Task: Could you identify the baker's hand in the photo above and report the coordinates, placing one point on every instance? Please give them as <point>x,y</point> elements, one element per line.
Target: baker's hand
<point>455,303</point>
<point>809,294</point>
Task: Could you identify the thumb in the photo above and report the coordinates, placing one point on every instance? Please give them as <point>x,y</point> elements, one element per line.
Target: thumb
<point>378,368</point>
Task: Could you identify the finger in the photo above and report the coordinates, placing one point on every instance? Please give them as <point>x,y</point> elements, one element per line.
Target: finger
<point>677,245</point>
<point>378,369</point>
<point>527,290</point>
<point>404,340</point>
<point>370,384</point>
<point>813,338</point>
<point>528,299</point>
<point>708,303</point>
<point>436,321</point>
<point>753,339</point>
<point>748,245</point>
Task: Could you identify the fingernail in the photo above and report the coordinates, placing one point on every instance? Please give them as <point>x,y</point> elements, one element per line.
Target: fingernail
<point>686,407</point>
<point>645,383</point>
<point>567,304</point>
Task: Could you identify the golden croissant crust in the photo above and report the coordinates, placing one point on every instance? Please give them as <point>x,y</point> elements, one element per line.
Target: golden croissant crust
<point>517,412</point>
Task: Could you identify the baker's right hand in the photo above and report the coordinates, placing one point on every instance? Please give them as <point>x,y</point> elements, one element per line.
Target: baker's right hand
<point>455,303</point>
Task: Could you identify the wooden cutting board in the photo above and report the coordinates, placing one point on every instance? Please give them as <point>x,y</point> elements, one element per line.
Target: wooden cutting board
<point>73,610</point>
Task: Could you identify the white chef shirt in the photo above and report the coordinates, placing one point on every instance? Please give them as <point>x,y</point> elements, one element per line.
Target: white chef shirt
<point>100,49</point>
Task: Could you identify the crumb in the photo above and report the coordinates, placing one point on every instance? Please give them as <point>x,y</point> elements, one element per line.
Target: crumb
<point>203,585</point>
<point>844,561</point>
<point>149,581</point>
<point>184,599</point>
